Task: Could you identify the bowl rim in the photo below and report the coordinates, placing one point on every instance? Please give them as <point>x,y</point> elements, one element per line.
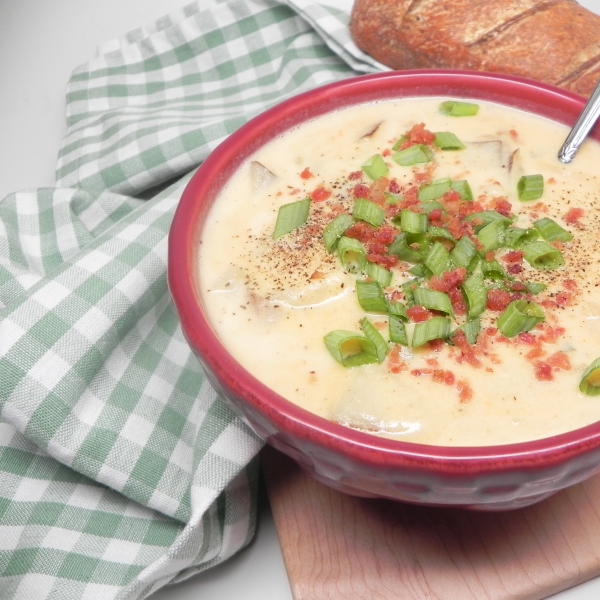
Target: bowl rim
<point>560,105</point>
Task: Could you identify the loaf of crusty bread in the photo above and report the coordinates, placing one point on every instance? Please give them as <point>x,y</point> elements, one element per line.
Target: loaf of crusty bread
<point>555,41</point>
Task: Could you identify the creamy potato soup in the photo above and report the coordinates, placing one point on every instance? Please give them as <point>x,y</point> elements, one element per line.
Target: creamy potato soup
<point>430,278</point>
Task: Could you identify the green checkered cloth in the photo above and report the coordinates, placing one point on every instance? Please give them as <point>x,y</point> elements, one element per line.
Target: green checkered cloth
<point>121,469</point>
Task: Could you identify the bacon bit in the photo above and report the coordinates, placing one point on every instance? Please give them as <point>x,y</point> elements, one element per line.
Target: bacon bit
<point>498,300</point>
<point>435,345</point>
<point>527,338</point>
<point>563,299</point>
<point>295,191</point>
<point>436,215</point>
<point>573,215</point>
<point>306,174</point>
<point>317,275</point>
<point>458,301</point>
<point>394,187</point>
<point>465,393</point>
<point>354,175</point>
<point>384,260</point>
<point>468,353</point>
<point>540,207</point>
<point>448,280</point>
<point>550,334</point>
<point>320,194</point>
<point>423,176</point>
<point>559,361</point>
<point>570,284</point>
<point>395,363</point>
<point>543,371</point>
<point>421,372</point>
<point>443,376</point>
<point>501,205</point>
<point>535,352</point>
<point>361,231</point>
<point>551,180</point>
<point>433,362</point>
<point>514,269</point>
<point>378,189</point>
<point>417,135</point>
<point>513,256</point>
<point>385,235</point>
<point>386,152</point>
<point>513,134</point>
<point>360,191</point>
<point>418,314</point>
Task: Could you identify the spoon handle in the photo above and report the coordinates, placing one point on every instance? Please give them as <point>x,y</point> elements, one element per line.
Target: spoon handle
<point>582,127</point>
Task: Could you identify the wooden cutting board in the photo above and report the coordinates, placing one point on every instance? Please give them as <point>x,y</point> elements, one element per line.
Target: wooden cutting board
<point>339,547</point>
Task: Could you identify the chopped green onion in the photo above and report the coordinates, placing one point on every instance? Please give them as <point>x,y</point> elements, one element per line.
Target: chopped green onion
<point>534,287</point>
<point>435,189</point>
<point>471,330</point>
<point>551,231</point>
<point>378,273</point>
<point>352,254</point>
<point>392,198</point>
<point>455,108</point>
<point>403,251</point>
<point>446,140</point>
<point>440,233</point>
<point>368,211</point>
<point>590,380</point>
<point>397,331</point>
<point>518,317</point>
<point>492,269</point>
<point>437,258</point>
<point>371,333</point>
<point>516,236</point>
<point>435,328</point>
<point>420,270</point>
<point>427,207</point>
<point>399,143</point>
<point>463,252</point>
<point>475,295</point>
<point>351,349</point>
<point>485,217</point>
<point>408,288</point>
<point>412,222</point>
<point>414,155</point>
<point>493,235</point>
<point>530,187</point>
<point>433,300</point>
<point>375,167</point>
<point>463,188</point>
<point>335,229</point>
<point>397,309</point>
<point>291,216</point>
<point>542,255</point>
<point>371,297</point>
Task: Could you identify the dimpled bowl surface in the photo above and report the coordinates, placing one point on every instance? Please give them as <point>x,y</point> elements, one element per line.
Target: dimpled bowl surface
<point>483,478</point>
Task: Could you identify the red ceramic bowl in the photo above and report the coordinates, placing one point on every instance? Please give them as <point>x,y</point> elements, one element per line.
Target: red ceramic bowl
<point>489,478</point>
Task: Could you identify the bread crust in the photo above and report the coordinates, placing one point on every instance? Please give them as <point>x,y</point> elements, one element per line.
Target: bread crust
<point>555,41</point>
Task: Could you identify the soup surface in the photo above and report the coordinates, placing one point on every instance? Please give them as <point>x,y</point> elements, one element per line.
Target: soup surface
<point>496,353</point>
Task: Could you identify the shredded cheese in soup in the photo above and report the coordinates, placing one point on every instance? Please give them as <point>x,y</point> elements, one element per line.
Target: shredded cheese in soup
<point>414,274</point>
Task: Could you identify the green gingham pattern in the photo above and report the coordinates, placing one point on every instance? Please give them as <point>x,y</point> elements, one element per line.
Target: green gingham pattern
<point>121,470</point>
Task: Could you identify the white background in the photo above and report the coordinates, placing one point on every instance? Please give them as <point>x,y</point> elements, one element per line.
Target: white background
<point>41,42</point>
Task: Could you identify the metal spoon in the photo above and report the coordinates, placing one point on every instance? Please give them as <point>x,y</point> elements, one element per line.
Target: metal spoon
<point>587,119</point>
